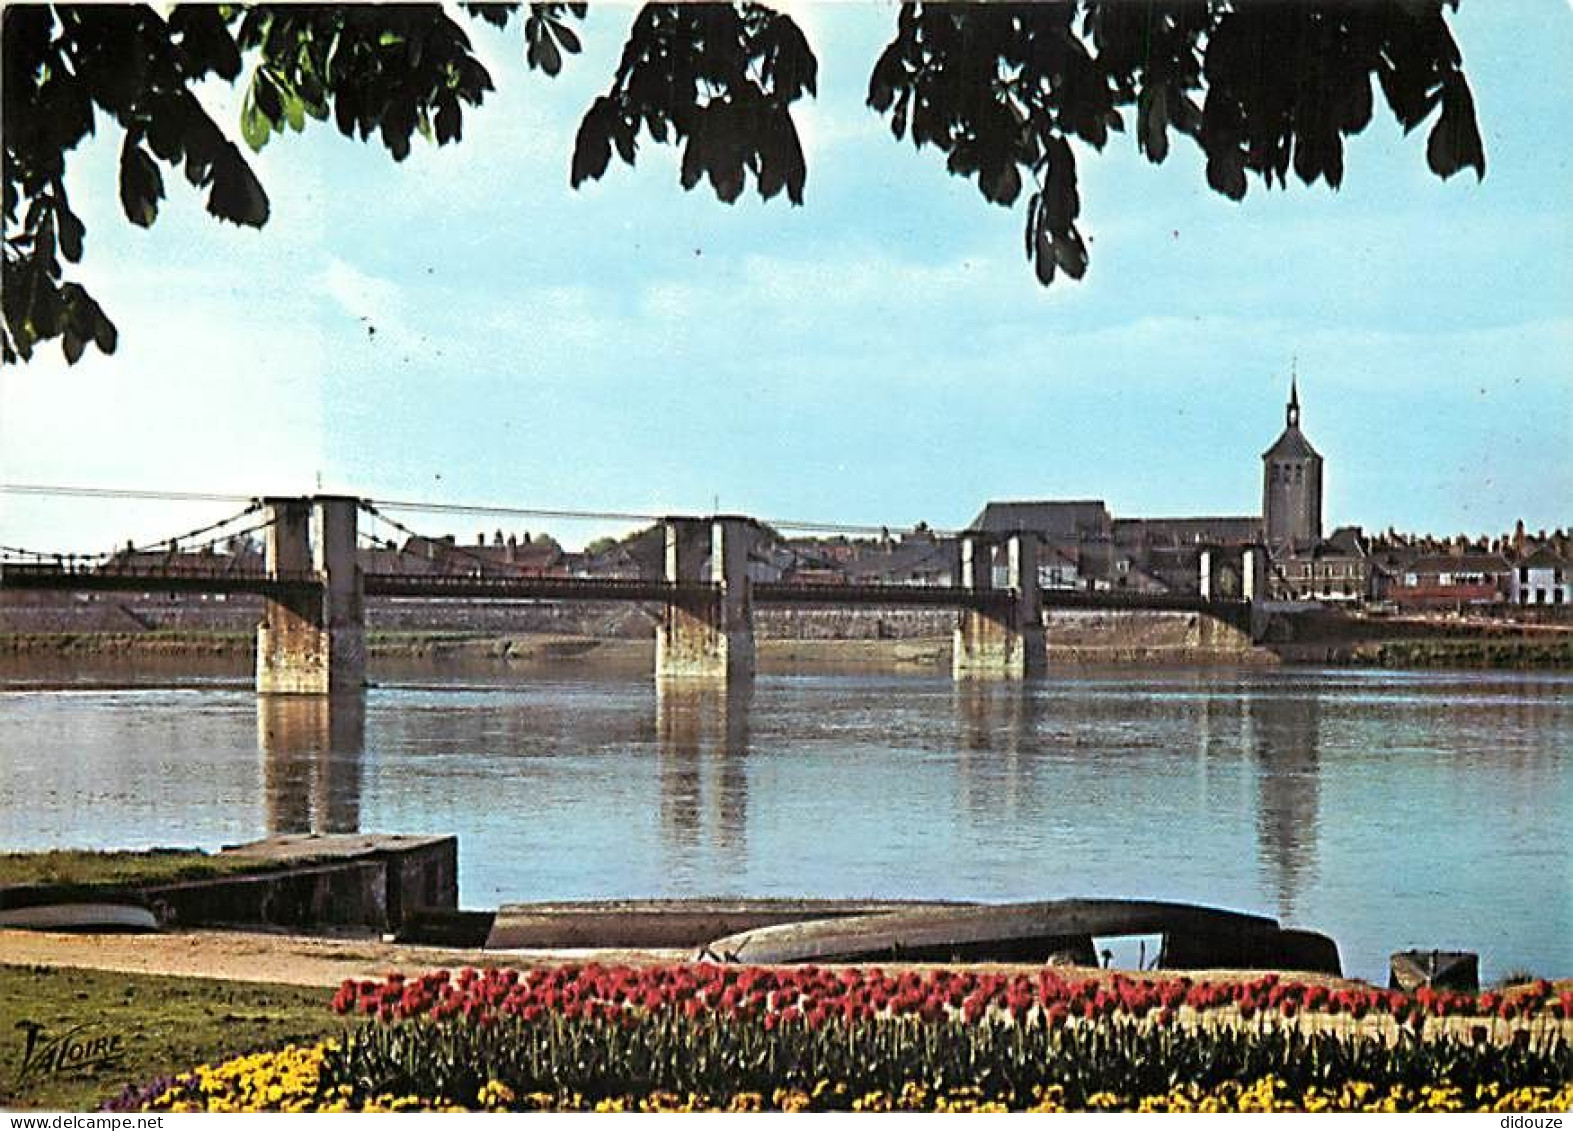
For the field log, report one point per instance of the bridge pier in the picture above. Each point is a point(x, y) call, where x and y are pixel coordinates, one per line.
point(708, 635)
point(313, 642)
point(1000, 639)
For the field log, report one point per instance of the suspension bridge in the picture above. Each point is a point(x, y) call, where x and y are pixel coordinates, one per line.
point(311, 637)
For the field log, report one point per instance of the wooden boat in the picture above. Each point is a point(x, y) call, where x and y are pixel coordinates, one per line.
point(1057, 930)
point(80, 917)
point(679, 924)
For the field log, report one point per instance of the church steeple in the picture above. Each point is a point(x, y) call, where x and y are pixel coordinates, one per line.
point(1292, 482)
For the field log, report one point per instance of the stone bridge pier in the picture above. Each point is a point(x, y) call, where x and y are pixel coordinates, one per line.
point(312, 641)
point(1000, 638)
point(709, 635)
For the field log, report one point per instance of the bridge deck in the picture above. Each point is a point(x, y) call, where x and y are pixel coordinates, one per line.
point(835, 595)
point(534, 588)
point(153, 580)
point(1147, 602)
point(824, 595)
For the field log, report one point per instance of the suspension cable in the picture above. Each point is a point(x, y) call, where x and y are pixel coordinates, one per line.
point(171, 545)
point(449, 547)
point(806, 526)
point(121, 493)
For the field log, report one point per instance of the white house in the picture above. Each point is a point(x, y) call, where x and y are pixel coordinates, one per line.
point(1058, 570)
point(1541, 579)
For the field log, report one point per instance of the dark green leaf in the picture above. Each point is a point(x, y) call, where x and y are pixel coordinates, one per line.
point(1454, 143)
point(566, 37)
point(237, 195)
point(71, 232)
point(141, 186)
point(105, 336)
point(254, 126)
point(266, 95)
point(592, 151)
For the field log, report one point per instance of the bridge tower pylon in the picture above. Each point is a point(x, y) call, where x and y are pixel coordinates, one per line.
point(707, 635)
point(1001, 639)
point(312, 640)
point(1239, 587)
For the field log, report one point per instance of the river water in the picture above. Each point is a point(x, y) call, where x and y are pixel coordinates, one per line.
point(1388, 809)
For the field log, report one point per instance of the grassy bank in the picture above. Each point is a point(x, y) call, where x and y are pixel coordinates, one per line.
point(159, 642)
point(76, 868)
point(1493, 649)
point(1468, 652)
point(164, 1026)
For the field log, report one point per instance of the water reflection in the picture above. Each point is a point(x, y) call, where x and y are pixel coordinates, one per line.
point(997, 736)
point(1285, 735)
point(1388, 809)
point(702, 739)
point(312, 748)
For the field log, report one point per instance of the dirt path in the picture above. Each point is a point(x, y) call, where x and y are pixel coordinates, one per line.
point(299, 960)
point(286, 959)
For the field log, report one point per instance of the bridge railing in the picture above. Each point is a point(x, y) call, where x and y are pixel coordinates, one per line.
point(68, 568)
point(838, 594)
point(1118, 599)
point(533, 587)
point(67, 575)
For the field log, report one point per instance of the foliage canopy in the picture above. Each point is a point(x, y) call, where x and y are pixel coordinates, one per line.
point(1001, 90)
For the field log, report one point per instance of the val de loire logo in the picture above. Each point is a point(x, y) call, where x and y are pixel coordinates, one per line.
point(77, 1049)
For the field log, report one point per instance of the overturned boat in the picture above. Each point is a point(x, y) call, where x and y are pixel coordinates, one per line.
point(87, 917)
point(1053, 931)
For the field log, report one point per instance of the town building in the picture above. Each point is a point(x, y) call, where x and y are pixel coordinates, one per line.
point(1164, 554)
point(1336, 570)
point(1052, 520)
point(1542, 578)
point(1059, 570)
point(1451, 582)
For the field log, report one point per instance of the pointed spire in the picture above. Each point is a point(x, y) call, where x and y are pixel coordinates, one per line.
point(1294, 397)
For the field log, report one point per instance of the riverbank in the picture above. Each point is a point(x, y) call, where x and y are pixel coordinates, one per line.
point(1483, 647)
point(1448, 652)
point(391, 651)
point(145, 1026)
point(84, 870)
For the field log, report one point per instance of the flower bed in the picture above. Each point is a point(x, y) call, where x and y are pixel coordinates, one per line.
point(739, 1038)
point(852, 993)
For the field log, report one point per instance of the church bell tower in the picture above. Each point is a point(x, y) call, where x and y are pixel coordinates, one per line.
point(1291, 484)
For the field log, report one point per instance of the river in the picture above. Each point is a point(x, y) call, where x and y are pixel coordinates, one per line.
point(1388, 809)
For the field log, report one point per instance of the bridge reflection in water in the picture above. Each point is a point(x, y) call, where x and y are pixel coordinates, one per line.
point(312, 748)
point(1013, 745)
point(998, 747)
point(702, 736)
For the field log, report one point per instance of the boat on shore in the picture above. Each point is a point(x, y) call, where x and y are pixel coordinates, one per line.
point(1058, 931)
point(671, 923)
point(89, 917)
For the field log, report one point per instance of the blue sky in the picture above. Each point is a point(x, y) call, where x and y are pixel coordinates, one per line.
point(880, 355)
